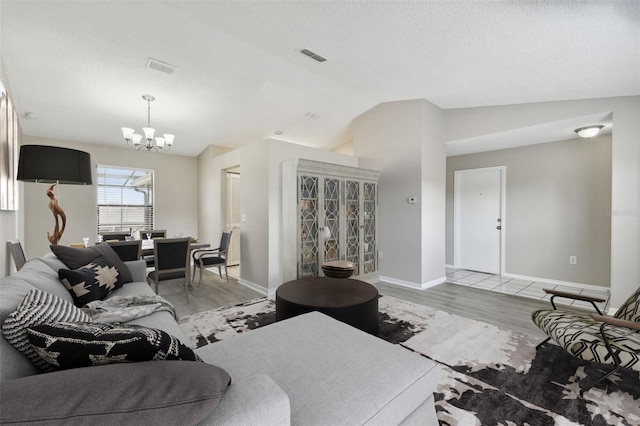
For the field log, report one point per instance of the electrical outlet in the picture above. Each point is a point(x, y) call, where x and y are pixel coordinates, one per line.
point(573, 260)
point(380, 254)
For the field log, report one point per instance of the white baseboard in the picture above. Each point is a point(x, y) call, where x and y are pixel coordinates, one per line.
point(449, 266)
point(410, 284)
point(558, 282)
point(256, 287)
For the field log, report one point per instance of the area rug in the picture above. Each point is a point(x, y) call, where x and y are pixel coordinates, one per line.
point(489, 375)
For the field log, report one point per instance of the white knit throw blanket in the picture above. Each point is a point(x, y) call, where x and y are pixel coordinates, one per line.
point(126, 308)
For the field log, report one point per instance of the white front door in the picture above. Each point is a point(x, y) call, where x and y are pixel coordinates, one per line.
point(479, 219)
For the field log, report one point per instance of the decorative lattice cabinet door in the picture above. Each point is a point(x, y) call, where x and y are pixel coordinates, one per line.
point(329, 213)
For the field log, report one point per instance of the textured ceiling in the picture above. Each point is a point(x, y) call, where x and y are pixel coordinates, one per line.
point(81, 66)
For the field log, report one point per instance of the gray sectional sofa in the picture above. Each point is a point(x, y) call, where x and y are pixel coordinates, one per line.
point(308, 370)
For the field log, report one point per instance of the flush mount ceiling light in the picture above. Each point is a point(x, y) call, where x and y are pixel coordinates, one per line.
point(163, 143)
point(589, 131)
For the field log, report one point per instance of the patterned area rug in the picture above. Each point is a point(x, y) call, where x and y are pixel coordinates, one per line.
point(489, 375)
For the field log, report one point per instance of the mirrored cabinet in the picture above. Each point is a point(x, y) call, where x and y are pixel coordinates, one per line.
point(329, 213)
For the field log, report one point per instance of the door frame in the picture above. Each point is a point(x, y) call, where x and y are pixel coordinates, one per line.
point(457, 213)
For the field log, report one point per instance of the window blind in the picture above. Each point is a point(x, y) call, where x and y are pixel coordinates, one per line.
point(125, 199)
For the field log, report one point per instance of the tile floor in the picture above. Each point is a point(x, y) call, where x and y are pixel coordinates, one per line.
point(524, 288)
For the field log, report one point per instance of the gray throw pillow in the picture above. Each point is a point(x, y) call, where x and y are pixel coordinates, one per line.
point(77, 257)
point(146, 393)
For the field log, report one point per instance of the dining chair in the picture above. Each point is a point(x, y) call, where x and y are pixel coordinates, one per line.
point(17, 253)
point(153, 233)
point(127, 250)
point(212, 257)
point(171, 258)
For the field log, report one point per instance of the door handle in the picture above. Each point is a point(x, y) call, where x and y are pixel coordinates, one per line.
point(498, 227)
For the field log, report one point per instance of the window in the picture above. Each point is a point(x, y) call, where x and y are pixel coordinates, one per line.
point(125, 199)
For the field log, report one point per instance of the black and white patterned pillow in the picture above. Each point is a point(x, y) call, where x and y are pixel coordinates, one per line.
point(67, 345)
point(93, 281)
point(38, 307)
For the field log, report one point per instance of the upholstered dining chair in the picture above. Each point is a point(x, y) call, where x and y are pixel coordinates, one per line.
point(204, 258)
point(595, 337)
point(171, 256)
point(17, 253)
point(127, 250)
point(153, 233)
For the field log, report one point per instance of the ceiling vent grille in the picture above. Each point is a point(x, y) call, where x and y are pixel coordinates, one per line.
point(312, 55)
point(154, 64)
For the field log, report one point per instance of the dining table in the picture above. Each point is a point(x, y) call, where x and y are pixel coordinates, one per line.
point(147, 246)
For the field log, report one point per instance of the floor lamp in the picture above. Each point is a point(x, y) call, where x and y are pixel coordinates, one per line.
point(54, 165)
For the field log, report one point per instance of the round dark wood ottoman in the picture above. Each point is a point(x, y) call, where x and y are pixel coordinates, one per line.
point(351, 301)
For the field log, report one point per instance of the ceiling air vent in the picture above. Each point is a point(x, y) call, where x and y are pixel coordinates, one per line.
point(312, 55)
point(154, 64)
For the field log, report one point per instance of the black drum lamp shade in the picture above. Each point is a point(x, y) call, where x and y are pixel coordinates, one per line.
point(54, 164)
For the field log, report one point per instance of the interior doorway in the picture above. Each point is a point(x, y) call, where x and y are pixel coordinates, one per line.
point(232, 215)
point(479, 219)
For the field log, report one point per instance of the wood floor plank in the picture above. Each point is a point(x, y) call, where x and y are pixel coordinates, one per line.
point(503, 310)
point(214, 292)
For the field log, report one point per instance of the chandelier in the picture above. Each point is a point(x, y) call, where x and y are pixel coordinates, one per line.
point(159, 143)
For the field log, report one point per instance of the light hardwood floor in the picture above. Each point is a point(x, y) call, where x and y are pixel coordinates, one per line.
point(512, 312)
point(214, 292)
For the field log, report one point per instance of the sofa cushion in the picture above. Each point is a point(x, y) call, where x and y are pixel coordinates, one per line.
point(40, 275)
point(76, 257)
point(147, 393)
point(38, 307)
point(93, 281)
point(364, 379)
point(67, 345)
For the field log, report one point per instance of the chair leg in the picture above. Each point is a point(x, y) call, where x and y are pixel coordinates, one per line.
point(226, 272)
point(200, 280)
point(614, 356)
point(193, 276)
point(607, 374)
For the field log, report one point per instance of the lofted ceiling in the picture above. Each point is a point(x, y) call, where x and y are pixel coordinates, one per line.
point(81, 66)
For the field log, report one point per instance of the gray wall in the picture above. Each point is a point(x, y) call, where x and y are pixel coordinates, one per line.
point(558, 198)
point(176, 202)
point(407, 139)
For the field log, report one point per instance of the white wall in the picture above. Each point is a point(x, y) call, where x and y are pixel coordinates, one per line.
point(625, 194)
point(176, 197)
point(406, 138)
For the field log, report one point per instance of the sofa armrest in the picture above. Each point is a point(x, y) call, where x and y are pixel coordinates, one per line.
point(138, 269)
point(255, 400)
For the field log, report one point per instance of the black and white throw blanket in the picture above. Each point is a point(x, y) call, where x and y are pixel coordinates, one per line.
point(126, 308)
point(489, 375)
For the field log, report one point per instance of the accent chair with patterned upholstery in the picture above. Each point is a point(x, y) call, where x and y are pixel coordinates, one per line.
point(595, 337)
